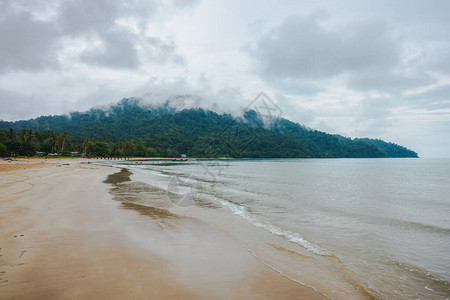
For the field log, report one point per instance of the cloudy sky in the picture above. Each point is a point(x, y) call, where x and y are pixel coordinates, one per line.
point(359, 68)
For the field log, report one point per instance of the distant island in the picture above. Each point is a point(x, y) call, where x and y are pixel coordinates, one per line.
point(129, 129)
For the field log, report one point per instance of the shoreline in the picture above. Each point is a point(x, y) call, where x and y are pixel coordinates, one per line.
point(309, 271)
point(63, 237)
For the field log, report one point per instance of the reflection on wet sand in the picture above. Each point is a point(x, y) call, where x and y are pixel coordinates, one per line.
point(119, 177)
point(138, 193)
point(206, 259)
point(145, 195)
point(153, 212)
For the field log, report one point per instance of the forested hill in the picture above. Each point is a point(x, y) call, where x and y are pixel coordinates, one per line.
point(131, 129)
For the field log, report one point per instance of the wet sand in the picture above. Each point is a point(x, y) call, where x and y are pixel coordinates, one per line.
point(63, 236)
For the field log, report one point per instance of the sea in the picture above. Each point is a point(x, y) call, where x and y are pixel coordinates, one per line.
point(380, 227)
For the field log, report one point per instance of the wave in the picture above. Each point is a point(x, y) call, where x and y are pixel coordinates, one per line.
point(421, 226)
point(289, 235)
point(386, 221)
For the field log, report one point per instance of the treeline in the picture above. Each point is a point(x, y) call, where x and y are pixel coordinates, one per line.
point(27, 142)
point(130, 129)
point(32, 143)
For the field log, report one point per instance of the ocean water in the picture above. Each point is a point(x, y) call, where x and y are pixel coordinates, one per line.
point(369, 227)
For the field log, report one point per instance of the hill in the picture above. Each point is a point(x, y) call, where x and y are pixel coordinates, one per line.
point(132, 129)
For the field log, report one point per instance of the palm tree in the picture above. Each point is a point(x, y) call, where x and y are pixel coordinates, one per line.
point(11, 134)
point(86, 144)
point(25, 137)
point(53, 140)
point(22, 138)
point(62, 139)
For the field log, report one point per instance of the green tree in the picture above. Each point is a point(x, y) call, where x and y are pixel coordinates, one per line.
point(27, 143)
point(151, 152)
point(3, 150)
point(62, 140)
point(86, 145)
point(100, 149)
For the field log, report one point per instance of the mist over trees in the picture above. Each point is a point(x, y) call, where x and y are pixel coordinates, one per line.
point(129, 129)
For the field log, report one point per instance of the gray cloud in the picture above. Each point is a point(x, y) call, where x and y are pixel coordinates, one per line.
point(160, 51)
point(435, 99)
point(373, 118)
point(389, 80)
point(119, 45)
point(293, 112)
point(438, 58)
point(303, 49)
point(84, 16)
point(439, 93)
point(117, 51)
point(27, 44)
point(33, 41)
point(296, 86)
point(20, 106)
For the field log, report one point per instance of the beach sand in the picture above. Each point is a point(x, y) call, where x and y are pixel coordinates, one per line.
point(63, 236)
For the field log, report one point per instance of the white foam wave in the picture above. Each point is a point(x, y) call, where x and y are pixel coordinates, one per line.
point(289, 235)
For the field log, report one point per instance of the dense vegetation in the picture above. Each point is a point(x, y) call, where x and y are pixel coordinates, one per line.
point(130, 129)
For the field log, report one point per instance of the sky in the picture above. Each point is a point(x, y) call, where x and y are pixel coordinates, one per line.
point(378, 69)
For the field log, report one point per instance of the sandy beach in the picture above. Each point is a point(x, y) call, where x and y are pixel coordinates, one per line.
point(63, 235)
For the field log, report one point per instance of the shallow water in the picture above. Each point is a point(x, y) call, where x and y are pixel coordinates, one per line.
point(380, 227)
